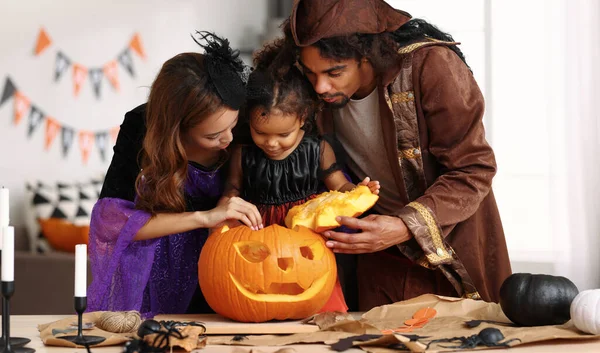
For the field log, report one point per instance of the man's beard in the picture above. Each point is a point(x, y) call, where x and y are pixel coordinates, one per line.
point(336, 105)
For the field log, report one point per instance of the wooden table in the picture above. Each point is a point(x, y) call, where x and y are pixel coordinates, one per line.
point(26, 326)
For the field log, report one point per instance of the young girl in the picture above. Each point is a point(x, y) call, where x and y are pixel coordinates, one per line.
point(152, 217)
point(285, 165)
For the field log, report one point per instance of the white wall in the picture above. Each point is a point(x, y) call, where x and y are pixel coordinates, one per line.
point(92, 33)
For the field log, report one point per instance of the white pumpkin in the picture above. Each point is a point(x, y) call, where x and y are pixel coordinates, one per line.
point(585, 311)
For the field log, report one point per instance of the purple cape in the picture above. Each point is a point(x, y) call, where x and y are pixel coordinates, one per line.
point(152, 276)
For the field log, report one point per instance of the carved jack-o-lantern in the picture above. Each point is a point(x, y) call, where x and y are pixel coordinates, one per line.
point(270, 274)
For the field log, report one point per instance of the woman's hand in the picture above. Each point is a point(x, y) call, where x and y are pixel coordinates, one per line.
point(232, 208)
point(373, 185)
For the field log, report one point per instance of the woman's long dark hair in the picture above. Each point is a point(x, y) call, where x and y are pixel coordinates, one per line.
point(181, 97)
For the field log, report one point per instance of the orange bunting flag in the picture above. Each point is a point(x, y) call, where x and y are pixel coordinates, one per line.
point(136, 45)
point(111, 73)
point(114, 132)
point(79, 75)
point(86, 139)
point(43, 41)
point(52, 129)
point(22, 104)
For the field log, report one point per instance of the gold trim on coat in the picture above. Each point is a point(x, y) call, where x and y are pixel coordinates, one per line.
point(403, 97)
point(440, 253)
point(473, 295)
point(412, 47)
point(410, 153)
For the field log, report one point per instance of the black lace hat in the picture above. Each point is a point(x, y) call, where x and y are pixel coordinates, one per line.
point(225, 68)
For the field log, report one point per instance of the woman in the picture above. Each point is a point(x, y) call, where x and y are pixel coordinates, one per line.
point(161, 190)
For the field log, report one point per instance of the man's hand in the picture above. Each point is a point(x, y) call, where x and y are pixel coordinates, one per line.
point(378, 233)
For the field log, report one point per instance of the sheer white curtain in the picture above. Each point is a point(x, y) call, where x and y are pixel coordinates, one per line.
point(582, 93)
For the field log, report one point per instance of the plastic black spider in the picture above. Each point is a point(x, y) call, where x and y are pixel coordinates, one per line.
point(160, 343)
point(489, 337)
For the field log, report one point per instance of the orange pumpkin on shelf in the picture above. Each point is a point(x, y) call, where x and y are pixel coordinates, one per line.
point(270, 274)
point(319, 213)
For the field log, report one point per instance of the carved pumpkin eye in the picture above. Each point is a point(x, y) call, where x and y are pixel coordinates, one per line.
point(312, 251)
point(252, 251)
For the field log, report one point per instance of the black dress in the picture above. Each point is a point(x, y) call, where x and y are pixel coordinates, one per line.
point(275, 186)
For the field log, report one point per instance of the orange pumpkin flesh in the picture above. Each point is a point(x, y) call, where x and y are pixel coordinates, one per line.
point(319, 213)
point(270, 274)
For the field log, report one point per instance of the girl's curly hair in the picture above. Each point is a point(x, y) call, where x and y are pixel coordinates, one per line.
point(277, 83)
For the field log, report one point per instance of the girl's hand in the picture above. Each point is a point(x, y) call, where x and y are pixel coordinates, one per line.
point(372, 185)
point(233, 208)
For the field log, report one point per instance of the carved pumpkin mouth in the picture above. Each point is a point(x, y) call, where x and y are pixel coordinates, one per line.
point(280, 292)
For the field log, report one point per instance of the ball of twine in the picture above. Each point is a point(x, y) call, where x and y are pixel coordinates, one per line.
point(119, 321)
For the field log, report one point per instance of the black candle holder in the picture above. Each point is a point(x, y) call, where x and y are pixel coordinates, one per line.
point(14, 341)
point(8, 289)
point(80, 338)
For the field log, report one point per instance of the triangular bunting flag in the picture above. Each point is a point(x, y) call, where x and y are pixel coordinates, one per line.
point(114, 133)
point(39, 199)
point(83, 196)
point(86, 139)
point(81, 212)
point(35, 118)
point(64, 198)
point(125, 60)
point(21, 106)
point(61, 65)
point(96, 78)
point(136, 45)
point(57, 213)
point(52, 128)
point(43, 41)
point(66, 138)
point(111, 73)
point(101, 138)
point(8, 91)
point(79, 73)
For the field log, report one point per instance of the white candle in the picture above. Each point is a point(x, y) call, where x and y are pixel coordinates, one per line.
point(80, 270)
point(4, 211)
point(8, 254)
point(4, 208)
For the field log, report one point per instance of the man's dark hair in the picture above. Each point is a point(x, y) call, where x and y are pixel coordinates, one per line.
point(380, 49)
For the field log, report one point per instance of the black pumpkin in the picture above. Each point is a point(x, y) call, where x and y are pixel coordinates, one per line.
point(537, 300)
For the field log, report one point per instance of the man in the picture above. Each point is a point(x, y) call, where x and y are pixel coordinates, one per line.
point(401, 100)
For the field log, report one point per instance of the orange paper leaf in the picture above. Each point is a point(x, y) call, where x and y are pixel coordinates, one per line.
point(404, 329)
point(428, 313)
point(136, 45)
point(43, 41)
point(420, 324)
point(415, 322)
